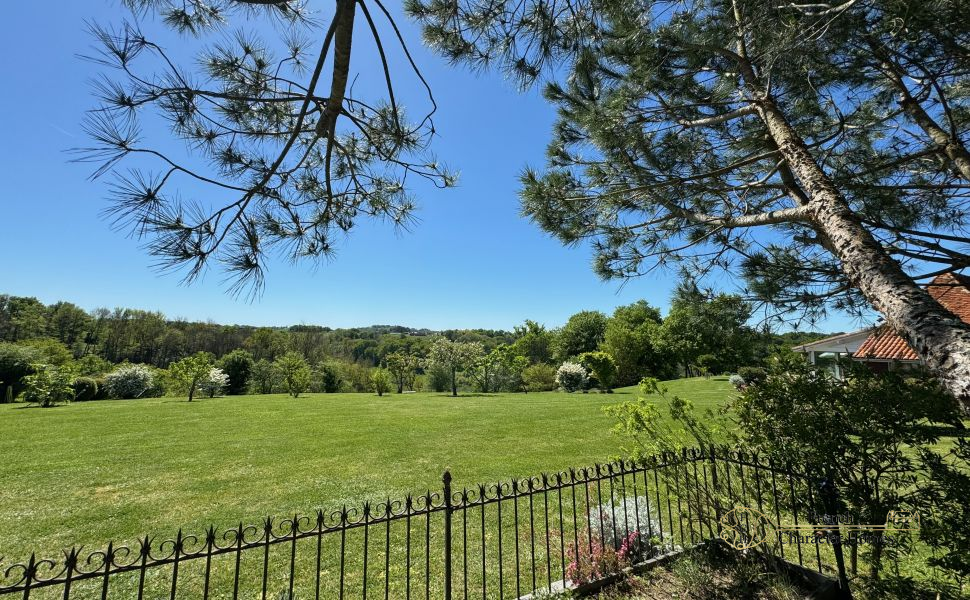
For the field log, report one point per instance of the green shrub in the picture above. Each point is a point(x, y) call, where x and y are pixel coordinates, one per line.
point(539, 377)
point(85, 389)
point(603, 367)
point(752, 375)
point(16, 363)
point(571, 377)
point(381, 381)
point(238, 366)
point(102, 393)
point(326, 378)
point(49, 385)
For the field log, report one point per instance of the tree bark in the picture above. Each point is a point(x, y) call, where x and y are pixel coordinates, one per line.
point(939, 338)
point(454, 382)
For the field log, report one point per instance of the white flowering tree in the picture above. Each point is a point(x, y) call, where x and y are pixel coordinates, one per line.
point(215, 383)
point(455, 357)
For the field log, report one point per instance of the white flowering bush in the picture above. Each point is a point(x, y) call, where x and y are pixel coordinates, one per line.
point(628, 524)
point(737, 381)
point(215, 384)
point(129, 381)
point(571, 376)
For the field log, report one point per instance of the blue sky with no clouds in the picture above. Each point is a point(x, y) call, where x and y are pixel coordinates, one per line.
point(471, 260)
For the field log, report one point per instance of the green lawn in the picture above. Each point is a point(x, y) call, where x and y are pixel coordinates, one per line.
point(91, 472)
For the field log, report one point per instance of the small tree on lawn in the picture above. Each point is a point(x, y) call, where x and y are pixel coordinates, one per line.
point(49, 385)
point(191, 371)
point(215, 383)
point(603, 367)
point(295, 373)
point(455, 357)
point(381, 381)
point(403, 368)
point(265, 377)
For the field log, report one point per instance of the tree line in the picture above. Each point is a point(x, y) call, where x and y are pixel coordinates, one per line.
point(701, 333)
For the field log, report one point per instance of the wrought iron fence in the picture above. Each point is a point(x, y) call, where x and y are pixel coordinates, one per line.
point(499, 540)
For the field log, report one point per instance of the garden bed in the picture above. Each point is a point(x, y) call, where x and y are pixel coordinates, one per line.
point(711, 571)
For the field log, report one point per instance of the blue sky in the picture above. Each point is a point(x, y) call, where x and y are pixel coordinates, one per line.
point(471, 261)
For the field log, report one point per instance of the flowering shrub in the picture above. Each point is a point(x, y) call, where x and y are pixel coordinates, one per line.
point(129, 381)
point(215, 384)
point(594, 560)
point(627, 522)
point(571, 376)
point(738, 382)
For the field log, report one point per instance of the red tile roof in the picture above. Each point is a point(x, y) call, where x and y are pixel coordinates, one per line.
point(951, 290)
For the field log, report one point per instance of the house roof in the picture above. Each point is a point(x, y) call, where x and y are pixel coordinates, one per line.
point(951, 290)
point(843, 343)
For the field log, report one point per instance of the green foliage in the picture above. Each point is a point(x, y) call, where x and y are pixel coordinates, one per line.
point(8, 394)
point(16, 362)
point(658, 421)
point(22, 318)
point(583, 332)
point(631, 338)
point(454, 357)
point(326, 378)
point(602, 366)
point(264, 377)
point(438, 377)
point(295, 374)
point(190, 372)
point(238, 365)
point(53, 351)
point(403, 368)
point(947, 528)
point(49, 385)
point(85, 388)
point(92, 364)
point(752, 375)
point(868, 433)
point(534, 342)
point(699, 325)
point(381, 381)
point(540, 377)
point(356, 377)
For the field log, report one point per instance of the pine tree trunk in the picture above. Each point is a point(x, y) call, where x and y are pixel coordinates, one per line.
point(939, 338)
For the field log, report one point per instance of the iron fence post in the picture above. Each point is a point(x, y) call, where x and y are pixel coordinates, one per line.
point(830, 500)
point(716, 498)
point(446, 480)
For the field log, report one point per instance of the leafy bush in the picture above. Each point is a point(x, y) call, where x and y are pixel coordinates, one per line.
point(437, 378)
point(238, 366)
point(752, 375)
point(16, 363)
point(602, 366)
point(571, 376)
point(326, 378)
point(737, 381)
point(356, 377)
point(381, 380)
point(85, 388)
point(539, 377)
point(90, 365)
point(49, 385)
point(215, 383)
point(129, 381)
